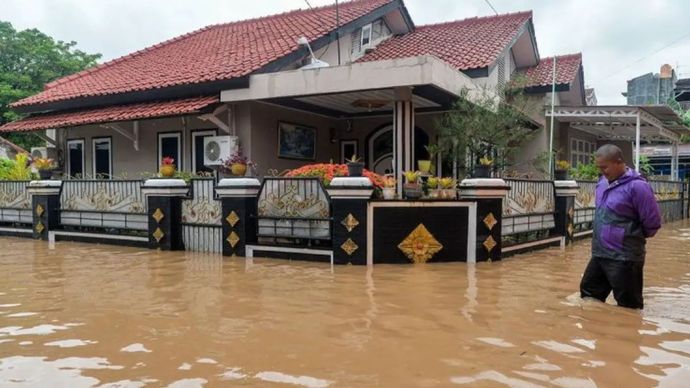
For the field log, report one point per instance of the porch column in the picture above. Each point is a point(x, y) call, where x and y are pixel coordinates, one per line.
point(350, 197)
point(239, 200)
point(164, 199)
point(45, 206)
point(637, 143)
point(403, 134)
point(565, 208)
point(674, 161)
point(489, 194)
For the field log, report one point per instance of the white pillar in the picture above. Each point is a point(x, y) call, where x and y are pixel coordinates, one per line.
point(637, 143)
point(403, 134)
point(674, 161)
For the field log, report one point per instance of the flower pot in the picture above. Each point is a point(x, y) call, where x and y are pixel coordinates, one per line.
point(560, 175)
point(481, 171)
point(45, 174)
point(449, 193)
point(388, 192)
point(355, 169)
point(238, 169)
point(167, 170)
point(412, 190)
point(424, 166)
point(434, 193)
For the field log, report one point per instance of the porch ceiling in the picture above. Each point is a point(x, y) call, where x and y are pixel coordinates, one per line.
point(358, 89)
point(658, 123)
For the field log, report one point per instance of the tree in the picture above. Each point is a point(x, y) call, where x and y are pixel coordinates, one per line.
point(488, 122)
point(29, 59)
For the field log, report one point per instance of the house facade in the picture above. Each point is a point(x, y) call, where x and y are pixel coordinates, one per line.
point(387, 83)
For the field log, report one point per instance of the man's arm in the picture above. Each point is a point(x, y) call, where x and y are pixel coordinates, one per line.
point(647, 209)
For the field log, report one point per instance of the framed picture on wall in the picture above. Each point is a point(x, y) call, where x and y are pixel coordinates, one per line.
point(296, 141)
point(347, 149)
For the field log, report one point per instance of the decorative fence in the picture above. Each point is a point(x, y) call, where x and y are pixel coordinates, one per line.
point(528, 210)
point(584, 205)
point(294, 208)
point(104, 205)
point(201, 218)
point(670, 196)
point(15, 203)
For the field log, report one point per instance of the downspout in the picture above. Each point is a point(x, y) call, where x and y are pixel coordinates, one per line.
point(553, 103)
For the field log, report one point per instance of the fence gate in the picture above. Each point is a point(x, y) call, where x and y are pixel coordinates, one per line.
point(201, 218)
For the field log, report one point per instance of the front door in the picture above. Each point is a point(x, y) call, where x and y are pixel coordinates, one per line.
point(380, 149)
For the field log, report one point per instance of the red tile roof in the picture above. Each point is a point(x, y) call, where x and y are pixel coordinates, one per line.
point(110, 114)
point(465, 44)
point(567, 69)
point(15, 147)
point(218, 52)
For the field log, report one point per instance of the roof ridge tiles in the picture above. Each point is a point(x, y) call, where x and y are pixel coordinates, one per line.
point(481, 18)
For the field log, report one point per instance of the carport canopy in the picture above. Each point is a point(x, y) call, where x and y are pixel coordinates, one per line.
point(650, 123)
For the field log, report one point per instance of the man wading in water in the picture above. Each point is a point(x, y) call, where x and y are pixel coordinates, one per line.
point(626, 215)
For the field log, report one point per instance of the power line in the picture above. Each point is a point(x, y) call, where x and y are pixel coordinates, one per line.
point(489, 3)
point(644, 57)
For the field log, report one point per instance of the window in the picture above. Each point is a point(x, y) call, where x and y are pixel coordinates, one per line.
point(581, 151)
point(198, 150)
point(102, 158)
point(366, 35)
point(75, 158)
point(170, 146)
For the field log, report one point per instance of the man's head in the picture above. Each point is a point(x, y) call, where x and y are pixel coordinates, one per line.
point(609, 159)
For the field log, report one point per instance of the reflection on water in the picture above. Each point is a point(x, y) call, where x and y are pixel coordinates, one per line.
point(84, 315)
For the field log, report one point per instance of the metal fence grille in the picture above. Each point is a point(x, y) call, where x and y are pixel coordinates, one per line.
point(103, 204)
point(584, 205)
point(670, 196)
point(201, 218)
point(529, 206)
point(15, 203)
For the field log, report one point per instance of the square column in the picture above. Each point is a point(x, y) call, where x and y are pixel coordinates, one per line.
point(239, 200)
point(164, 199)
point(349, 199)
point(489, 194)
point(403, 134)
point(565, 208)
point(45, 206)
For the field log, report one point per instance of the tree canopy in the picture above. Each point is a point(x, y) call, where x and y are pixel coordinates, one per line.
point(29, 60)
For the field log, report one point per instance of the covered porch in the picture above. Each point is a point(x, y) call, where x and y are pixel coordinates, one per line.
point(631, 126)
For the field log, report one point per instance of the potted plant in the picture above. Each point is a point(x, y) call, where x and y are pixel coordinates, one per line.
point(44, 166)
point(425, 165)
point(561, 172)
point(448, 189)
point(355, 167)
point(167, 168)
point(388, 189)
point(432, 184)
point(411, 188)
point(483, 169)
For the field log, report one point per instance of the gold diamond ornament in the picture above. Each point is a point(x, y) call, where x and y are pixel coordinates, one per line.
point(349, 247)
point(420, 245)
point(233, 239)
point(39, 210)
point(232, 218)
point(158, 235)
point(350, 222)
point(490, 221)
point(158, 215)
point(490, 244)
point(40, 227)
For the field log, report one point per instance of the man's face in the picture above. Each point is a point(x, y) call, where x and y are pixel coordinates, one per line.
point(610, 169)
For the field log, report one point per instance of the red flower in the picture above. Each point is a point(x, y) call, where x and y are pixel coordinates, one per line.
point(167, 160)
point(326, 172)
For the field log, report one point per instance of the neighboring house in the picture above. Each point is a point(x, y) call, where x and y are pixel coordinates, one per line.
point(682, 92)
point(652, 89)
point(660, 157)
point(8, 150)
point(590, 97)
point(388, 83)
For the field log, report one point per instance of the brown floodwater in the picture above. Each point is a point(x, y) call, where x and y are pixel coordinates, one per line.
point(95, 315)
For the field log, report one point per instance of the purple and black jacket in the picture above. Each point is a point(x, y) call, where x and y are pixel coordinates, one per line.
point(626, 215)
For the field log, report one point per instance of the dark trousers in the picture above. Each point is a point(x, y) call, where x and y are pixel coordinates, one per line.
point(624, 278)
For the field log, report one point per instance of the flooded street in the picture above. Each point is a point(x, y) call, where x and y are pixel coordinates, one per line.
point(90, 315)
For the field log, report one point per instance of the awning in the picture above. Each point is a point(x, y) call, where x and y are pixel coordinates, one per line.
point(110, 114)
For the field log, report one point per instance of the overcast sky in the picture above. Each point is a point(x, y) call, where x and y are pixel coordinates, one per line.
point(619, 39)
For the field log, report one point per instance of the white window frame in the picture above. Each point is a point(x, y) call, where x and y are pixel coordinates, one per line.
point(69, 158)
point(369, 28)
point(168, 135)
point(195, 134)
point(577, 156)
point(109, 140)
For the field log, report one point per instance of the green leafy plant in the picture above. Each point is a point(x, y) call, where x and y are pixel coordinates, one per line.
point(562, 165)
point(646, 168)
point(432, 182)
point(586, 171)
point(411, 176)
point(17, 169)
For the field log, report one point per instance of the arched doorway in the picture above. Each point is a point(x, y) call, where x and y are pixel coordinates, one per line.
point(380, 148)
